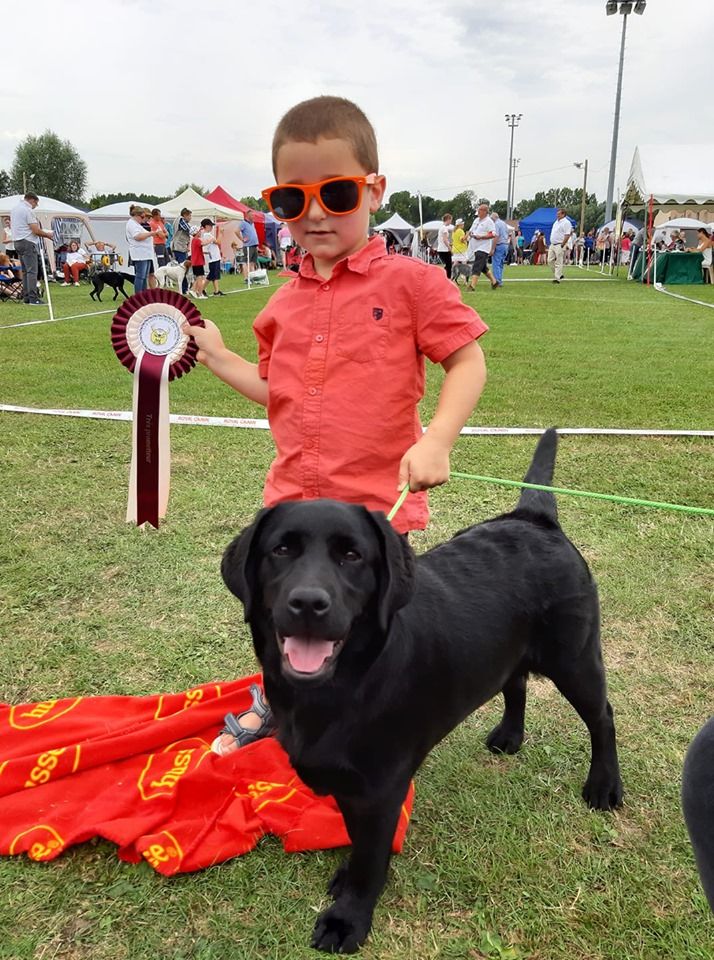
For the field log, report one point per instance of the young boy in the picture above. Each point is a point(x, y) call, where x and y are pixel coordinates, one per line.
point(340, 347)
point(198, 265)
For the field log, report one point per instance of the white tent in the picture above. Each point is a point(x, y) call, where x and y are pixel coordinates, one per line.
point(120, 210)
point(684, 223)
point(626, 226)
point(199, 207)
point(674, 175)
point(65, 221)
point(399, 228)
point(395, 222)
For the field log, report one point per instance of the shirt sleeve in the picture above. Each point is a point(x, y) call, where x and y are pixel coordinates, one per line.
point(264, 331)
point(444, 323)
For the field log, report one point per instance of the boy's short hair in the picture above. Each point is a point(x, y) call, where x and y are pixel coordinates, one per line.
point(333, 118)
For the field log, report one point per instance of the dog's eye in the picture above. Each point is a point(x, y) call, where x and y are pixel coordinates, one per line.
point(350, 556)
point(281, 550)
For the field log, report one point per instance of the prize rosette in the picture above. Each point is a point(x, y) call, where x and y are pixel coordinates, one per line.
point(147, 339)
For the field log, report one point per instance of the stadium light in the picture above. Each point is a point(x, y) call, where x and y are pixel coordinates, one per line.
point(512, 119)
point(625, 8)
point(583, 165)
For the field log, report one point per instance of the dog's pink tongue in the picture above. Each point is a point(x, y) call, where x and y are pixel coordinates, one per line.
point(307, 654)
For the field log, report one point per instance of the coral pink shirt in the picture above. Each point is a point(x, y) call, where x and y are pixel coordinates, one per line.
point(344, 361)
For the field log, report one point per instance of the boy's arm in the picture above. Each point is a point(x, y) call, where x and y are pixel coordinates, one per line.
point(426, 463)
point(228, 366)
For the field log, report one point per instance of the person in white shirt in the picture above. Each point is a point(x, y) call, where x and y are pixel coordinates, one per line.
point(141, 246)
point(76, 261)
point(443, 243)
point(481, 237)
point(26, 233)
point(559, 236)
point(212, 254)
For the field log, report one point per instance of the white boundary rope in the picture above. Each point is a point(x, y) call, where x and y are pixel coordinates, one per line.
point(678, 296)
point(99, 313)
point(262, 424)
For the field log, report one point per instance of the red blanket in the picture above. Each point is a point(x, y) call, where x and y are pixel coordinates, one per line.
point(139, 771)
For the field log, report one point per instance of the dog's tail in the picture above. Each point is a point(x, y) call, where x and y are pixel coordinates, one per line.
point(541, 502)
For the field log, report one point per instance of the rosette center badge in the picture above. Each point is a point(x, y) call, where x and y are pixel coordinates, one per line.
point(147, 338)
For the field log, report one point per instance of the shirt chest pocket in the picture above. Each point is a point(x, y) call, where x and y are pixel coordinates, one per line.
point(362, 333)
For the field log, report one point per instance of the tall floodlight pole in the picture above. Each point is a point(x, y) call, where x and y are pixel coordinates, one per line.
point(512, 196)
point(512, 119)
point(584, 167)
point(625, 8)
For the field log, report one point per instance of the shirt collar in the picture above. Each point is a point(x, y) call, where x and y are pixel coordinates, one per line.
point(358, 262)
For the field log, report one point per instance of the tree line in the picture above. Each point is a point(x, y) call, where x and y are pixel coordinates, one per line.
point(466, 203)
point(53, 167)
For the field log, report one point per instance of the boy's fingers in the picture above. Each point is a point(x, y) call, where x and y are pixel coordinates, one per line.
point(403, 478)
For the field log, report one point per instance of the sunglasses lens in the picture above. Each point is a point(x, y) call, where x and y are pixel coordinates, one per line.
point(340, 196)
point(287, 202)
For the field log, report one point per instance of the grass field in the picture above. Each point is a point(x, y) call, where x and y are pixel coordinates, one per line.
point(502, 859)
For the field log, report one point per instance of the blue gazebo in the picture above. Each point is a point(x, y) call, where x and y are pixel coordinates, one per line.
point(541, 219)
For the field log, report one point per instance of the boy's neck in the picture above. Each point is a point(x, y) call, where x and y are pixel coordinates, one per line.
point(325, 268)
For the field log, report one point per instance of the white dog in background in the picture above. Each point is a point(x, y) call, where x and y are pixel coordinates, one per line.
point(172, 274)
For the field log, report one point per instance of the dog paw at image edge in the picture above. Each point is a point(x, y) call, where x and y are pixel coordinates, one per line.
point(342, 928)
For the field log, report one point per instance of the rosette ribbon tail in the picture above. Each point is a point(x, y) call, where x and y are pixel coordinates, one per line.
point(150, 472)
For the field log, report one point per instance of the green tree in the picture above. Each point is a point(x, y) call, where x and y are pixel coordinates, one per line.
point(5, 183)
point(49, 166)
point(464, 206)
point(190, 186)
point(403, 203)
point(255, 203)
point(103, 199)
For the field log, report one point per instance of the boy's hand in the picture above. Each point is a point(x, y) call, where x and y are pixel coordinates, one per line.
point(208, 340)
point(424, 465)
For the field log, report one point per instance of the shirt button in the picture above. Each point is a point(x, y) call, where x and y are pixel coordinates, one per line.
point(312, 391)
point(326, 286)
point(319, 338)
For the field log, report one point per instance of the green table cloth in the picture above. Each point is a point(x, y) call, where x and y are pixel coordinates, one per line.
point(672, 267)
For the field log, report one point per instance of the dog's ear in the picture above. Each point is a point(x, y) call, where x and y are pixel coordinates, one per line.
point(396, 582)
point(238, 567)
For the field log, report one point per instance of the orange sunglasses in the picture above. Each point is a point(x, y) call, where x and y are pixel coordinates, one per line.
point(337, 196)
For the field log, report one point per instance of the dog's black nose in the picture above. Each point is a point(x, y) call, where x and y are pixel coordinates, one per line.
point(309, 600)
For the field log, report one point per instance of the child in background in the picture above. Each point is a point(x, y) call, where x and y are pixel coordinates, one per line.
point(198, 264)
point(341, 347)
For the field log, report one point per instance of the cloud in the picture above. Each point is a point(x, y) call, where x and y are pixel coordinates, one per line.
point(156, 93)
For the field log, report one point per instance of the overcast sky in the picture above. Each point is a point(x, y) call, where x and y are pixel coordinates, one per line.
point(156, 93)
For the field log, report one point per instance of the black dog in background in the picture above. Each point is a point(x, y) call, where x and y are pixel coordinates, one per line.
point(109, 278)
point(698, 803)
point(371, 656)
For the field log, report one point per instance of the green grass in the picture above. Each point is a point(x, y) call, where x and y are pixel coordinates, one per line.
point(502, 858)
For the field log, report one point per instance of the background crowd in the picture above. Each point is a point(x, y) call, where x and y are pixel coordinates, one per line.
point(189, 254)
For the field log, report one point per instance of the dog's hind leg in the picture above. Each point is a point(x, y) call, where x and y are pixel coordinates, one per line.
point(507, 737)
point(582, 683)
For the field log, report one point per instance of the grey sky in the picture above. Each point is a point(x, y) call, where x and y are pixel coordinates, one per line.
point(156, 93)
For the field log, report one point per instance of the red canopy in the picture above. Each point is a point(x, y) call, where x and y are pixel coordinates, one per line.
point(221, 196)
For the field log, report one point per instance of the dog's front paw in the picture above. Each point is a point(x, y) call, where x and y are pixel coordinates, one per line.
point(337, 884)
point(342, 928)
point(505, 739)
point(603, 790)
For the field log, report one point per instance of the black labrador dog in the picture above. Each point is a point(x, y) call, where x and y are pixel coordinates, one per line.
point(698, 803)
point(355, 634)
point(109, 278)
